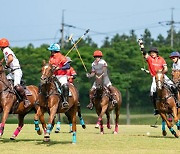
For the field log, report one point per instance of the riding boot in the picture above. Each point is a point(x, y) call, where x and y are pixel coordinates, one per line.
point(114, 101)
point(175, 91)
point(65, 103)
point(91, 96)
point(153, 100)
point(21, 91)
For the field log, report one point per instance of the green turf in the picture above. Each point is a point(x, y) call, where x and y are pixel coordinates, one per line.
point(131, 139)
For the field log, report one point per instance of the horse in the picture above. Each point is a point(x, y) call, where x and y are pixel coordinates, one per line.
point(50, 99)
point(9, 103)
point(102, 102)
point(166, 104)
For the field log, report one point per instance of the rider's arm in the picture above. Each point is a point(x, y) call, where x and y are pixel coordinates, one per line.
point(65, 66)
point(9, 60)
point(165, 69)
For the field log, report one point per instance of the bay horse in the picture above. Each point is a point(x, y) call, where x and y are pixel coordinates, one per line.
point(50, 99)
point(166, 103)
point(9, 103)
point(102, 102)
point(176, 78)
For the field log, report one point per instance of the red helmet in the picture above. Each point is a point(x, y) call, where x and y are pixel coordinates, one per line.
point(4, 42)
point(97, 53)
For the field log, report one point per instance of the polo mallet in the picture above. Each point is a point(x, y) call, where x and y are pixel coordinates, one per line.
point(71, 39)
point(74, 45)
point(140, 42)
point(155, 124)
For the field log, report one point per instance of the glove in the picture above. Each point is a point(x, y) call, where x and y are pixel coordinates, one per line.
point(88, 75)
point(6, 67)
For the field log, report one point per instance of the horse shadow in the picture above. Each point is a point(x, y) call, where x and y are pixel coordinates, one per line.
point(36, 141)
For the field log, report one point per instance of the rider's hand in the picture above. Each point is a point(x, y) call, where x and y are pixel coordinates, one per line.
point(88, 75)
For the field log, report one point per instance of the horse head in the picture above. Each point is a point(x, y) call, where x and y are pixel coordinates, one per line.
point(159, 77)
point(176, 77)
point(47, 72)
point(99, 81)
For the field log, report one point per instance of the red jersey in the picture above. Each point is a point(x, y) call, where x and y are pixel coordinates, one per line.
point(70, 73)
point(58, 60)
point(155, 64)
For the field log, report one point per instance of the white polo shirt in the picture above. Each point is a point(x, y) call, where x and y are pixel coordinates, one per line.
point(15, 63)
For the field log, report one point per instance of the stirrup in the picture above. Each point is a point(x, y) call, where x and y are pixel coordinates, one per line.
point(65, 105)
point(90, 106)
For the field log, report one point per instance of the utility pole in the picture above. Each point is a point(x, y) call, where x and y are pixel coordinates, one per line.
point(62, 30)
point(172, 22)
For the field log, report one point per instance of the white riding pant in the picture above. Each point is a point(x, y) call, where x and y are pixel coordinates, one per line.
point(16, 75)
point(153, 85)
point(62, 79)
point(106, 82)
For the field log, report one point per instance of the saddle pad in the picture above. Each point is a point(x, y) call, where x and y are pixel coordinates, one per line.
point(27, 92)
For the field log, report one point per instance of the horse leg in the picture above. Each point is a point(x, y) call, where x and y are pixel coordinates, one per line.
point(169, 124)
point(6, 111)
point(164, 133)
point(72, 112)
point(39, 115)
point(70, 121)
point(116, 121)
point(80, 117)
point(108, 120)
point(50, 122)
point(58, 124)
point(104, 108)
point(176, 119)
point(20, 125)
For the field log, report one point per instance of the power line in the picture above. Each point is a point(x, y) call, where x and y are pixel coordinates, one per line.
point(171, 23)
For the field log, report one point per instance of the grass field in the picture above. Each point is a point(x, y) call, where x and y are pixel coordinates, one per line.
point(131, 139)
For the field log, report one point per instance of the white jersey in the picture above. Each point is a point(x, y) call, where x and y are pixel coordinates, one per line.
point(15, 63)
point(97, 67)
point(176, 66)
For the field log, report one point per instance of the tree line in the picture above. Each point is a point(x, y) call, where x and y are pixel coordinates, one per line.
point(124, 60)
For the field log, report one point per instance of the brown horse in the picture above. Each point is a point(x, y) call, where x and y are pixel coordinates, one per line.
point(166, 103)
point(50, 99)
point(102, 102)
point(9, 103)
point(176, 78)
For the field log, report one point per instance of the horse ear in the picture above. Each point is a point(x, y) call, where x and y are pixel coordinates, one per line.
point(44, 62)
point(2, 60)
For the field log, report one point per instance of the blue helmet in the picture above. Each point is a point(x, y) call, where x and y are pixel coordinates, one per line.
point(54, 47)
point(174, 54)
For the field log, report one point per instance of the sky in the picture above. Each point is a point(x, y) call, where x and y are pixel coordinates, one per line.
point(39, 21)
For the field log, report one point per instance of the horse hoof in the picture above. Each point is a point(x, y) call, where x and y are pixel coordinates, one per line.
point(97, 126)
point(101, 133)
point(164, 133)
point(46, 136)
point(13, 137)
point(115, 132)
point(84, 126)
point(176, 135)
point(39, 132)
point(70, 131)
point(46, 139)
point(109, 127)
point(57, 131)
